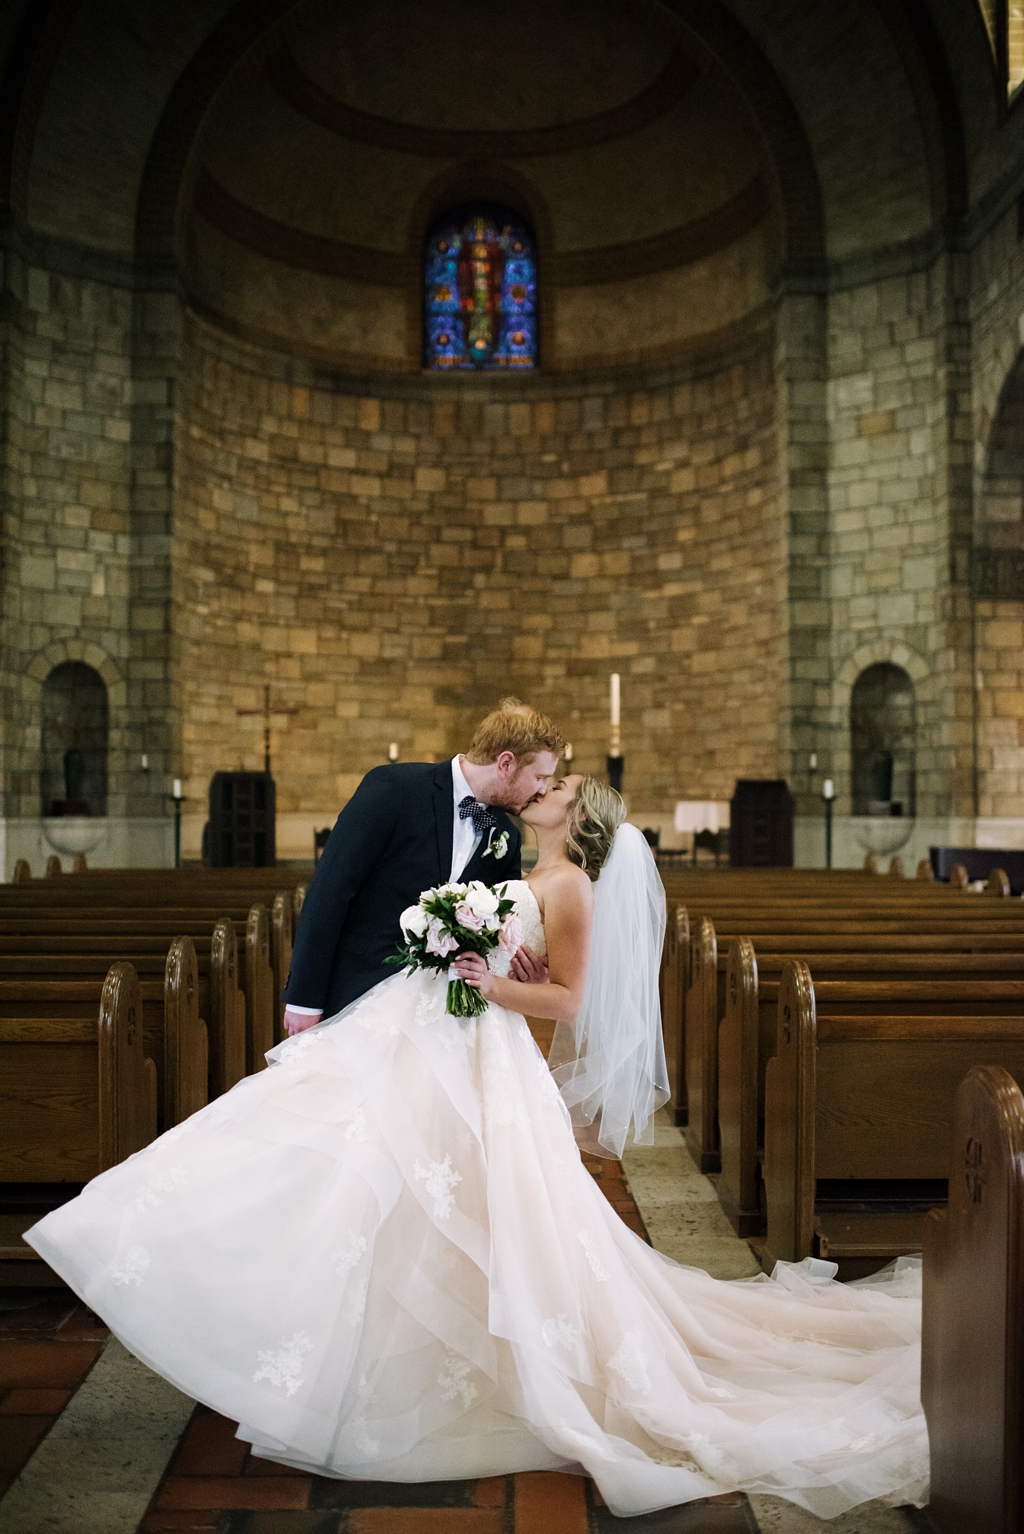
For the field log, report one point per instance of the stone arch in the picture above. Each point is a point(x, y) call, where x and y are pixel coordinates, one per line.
point(891, 651)
point(56, 654)
point(883, 730)
point(43, 662)
point(882, 651)
point(74, 741)
point(999, 517)
point(716, 36)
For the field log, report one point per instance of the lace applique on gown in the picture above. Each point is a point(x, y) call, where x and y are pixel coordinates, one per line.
point(386, 1260)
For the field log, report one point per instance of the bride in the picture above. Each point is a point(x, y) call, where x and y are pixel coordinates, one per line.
point(386, 1260)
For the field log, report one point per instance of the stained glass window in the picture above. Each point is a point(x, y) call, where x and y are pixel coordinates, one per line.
point(480, 303)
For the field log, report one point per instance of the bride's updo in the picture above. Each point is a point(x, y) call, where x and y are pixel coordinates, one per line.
point(594, 816)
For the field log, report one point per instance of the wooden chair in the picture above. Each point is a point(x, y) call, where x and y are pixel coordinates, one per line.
point(925, 871)
point(80, 865)
point(972, 1345)
point(53, 866)
point(22, 872)
point(896, 868)
point(870, 863)
point(998, 884)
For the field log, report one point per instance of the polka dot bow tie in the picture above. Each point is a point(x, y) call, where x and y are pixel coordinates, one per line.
point(479, 814)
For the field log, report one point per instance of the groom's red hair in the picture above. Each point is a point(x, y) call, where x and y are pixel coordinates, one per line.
point(514, 727)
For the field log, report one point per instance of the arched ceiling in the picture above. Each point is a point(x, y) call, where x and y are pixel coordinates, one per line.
point(643, 135)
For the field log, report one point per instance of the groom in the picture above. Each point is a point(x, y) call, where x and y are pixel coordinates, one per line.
point(409, 826)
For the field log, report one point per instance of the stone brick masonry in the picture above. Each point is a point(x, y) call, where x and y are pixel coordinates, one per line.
point(393, 562)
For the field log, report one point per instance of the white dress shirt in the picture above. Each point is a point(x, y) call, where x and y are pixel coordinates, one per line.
point(465, 836)
point(465, 840)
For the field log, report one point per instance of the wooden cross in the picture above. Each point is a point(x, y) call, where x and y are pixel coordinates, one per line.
point(249, 713)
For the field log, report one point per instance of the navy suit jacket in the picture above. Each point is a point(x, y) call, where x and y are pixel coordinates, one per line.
point(392, 840)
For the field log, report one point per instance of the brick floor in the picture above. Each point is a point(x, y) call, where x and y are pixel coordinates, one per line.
point(48, 1344)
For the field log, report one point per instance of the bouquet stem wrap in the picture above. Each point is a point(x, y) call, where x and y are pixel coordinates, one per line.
point(454, 919)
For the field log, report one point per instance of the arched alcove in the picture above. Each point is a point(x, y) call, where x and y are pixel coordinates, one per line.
point(883, 722)
point(75, 728)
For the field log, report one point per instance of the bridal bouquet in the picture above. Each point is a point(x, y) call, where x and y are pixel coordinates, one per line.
point(458, 918)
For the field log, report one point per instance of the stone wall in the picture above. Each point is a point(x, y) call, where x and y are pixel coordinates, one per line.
point(893, 450)
point(83, 579)
point(394, 558)
point(997, 623)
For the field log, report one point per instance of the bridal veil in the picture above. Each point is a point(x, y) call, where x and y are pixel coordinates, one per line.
point(610, 1065)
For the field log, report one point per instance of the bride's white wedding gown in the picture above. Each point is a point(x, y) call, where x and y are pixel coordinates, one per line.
point(384, 1257)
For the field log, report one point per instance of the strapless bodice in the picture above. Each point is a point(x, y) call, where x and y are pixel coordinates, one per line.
point(528, 912)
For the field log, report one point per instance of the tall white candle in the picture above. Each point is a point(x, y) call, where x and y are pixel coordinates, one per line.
point(616, 700)
point(393, 751)
point(568, 752)
point(176, 789)
point(828, 790)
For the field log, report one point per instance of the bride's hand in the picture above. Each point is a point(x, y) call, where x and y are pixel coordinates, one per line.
point(529, 967)
point(471, 968)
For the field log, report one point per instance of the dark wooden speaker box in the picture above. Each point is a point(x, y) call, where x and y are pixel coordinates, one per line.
point(761, 824)
point(242, 820)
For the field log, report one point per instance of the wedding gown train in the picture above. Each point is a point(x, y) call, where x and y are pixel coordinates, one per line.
point(384, 1257)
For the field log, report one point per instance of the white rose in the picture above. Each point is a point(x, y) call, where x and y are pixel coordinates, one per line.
point(481, 900)
point(413, 920)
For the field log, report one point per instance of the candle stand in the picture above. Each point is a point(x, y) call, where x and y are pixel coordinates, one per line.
point(828, 798)
point(615, 765)
point(178, 800)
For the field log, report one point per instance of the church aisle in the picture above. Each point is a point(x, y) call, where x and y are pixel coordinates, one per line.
point(60, 1380)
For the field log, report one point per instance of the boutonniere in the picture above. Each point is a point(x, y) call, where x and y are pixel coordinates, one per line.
point(498, 847)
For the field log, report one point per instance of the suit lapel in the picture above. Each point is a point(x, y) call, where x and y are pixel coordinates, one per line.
point(444, 818)
point(480, 866)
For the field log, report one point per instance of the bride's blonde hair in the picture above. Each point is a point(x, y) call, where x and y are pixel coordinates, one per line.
point(595, 815)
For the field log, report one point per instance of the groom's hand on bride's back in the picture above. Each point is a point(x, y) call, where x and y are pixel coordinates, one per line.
point(298, 1022)
point(529, 967)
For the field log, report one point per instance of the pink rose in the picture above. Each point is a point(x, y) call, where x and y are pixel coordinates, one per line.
point(468, 917)
point(438, 941)
point(510, 936)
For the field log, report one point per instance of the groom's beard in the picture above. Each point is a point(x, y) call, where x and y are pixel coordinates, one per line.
point(512, 797)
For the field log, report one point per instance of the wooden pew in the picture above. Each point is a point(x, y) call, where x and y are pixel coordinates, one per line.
point(248, 968)
point(704, 1009)
point(186, 1039)
point(77, 1095)
point(99, 1075)
point(795, 900)
point(673, 985)
point(212, 1025)
point(858, 1109)
point(282, 921)
point(746, 1033)
point(972, 1344)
